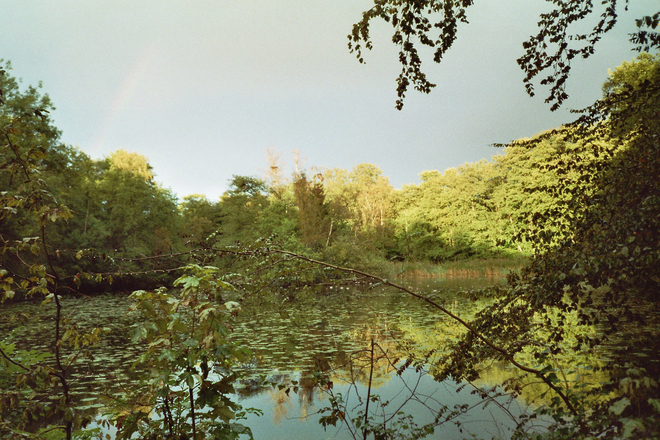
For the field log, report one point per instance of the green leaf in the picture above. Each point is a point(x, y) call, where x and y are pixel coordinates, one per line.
point(187, 281)
point(655, 403)
point(35, 249)
point(192, 343)
point(620, 406)
point(630, 426)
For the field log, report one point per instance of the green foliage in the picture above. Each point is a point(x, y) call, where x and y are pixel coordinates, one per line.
point(119, 210)
point(246, 186)
point(647, 37)
point(36, 400)
point(513, 205)
point(188, 360)
point(135, 214)
point(413, 22)
point(241, 207)
point(546, 182)
point(29, 153)
point(313, 220)
point(456, 214)
point(134, 163)
point(360, 206)
point(605, 278)
point(365, 196)
point(199, 218)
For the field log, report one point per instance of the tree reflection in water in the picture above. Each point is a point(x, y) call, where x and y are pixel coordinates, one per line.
point(331, 381)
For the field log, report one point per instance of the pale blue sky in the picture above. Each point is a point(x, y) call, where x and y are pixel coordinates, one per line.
point(203, 88)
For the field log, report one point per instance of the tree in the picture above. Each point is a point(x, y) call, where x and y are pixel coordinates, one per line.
point(28, 135)
point(455, 214)
point(313, 220)
point(434, 24)
point(371, 192)
point(604, 280)
point(241, 206)
point(200, 217)
point(37, 400)
point(133, 209)
point(365, 194)
point(274, 174)
point(35, 385)
point(547, 180)
point(359, 202)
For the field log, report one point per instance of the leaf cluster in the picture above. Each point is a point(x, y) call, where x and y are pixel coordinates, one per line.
point(188, 359)
point(548, 55)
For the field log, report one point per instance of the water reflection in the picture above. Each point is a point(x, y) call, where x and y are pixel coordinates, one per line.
point(332, 337)
point(306, 354)
point(294, 415)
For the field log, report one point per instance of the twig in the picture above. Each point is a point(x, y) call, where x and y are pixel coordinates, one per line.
point(4, 355)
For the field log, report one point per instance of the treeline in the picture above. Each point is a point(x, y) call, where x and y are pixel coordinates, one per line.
point(495, 208)
point(119, 216)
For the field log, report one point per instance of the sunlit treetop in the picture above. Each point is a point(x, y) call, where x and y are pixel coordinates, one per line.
point(134, 163)
point(547, 57)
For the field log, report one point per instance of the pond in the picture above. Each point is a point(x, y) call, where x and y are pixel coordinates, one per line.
point(355, 337)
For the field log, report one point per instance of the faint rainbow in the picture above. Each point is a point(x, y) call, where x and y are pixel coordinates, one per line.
point(121, 98)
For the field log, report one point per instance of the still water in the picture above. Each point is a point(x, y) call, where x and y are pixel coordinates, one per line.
point(332, 334)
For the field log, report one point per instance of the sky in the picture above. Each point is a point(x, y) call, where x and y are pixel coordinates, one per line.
point(204, 88)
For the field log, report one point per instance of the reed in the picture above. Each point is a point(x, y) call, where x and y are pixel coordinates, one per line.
point(483, 268)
